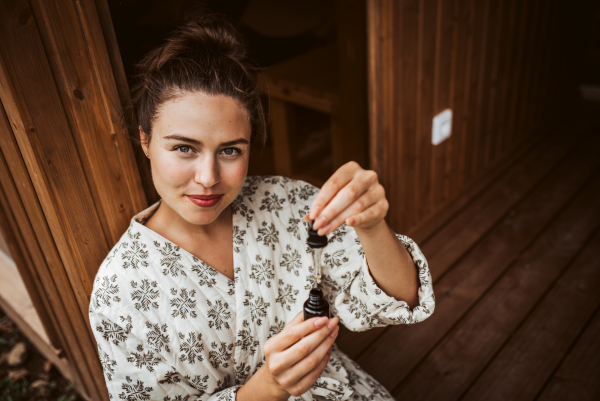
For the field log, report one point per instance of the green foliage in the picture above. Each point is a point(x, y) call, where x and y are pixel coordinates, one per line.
point(18, 391)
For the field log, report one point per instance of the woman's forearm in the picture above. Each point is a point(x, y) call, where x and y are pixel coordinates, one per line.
point(390, 263)
point(261, 387)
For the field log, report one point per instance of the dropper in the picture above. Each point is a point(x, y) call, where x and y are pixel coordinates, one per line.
point(317, 243)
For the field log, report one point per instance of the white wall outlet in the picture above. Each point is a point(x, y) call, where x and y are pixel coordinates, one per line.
point(442, 127)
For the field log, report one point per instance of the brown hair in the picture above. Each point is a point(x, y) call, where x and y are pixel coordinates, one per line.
point(205, 55)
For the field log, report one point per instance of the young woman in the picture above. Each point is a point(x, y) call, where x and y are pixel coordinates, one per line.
point(202, 296)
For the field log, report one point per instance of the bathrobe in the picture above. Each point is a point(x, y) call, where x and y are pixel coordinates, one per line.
point(170, 327)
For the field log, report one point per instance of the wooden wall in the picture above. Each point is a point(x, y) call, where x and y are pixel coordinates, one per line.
point(501, 66)
point(69, 183)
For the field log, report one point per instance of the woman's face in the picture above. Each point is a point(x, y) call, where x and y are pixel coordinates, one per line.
point(199, 153)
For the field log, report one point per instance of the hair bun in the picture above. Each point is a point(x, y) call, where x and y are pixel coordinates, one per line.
point(212, 33)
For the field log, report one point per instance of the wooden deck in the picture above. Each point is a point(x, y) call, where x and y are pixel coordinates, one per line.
point(517, 279)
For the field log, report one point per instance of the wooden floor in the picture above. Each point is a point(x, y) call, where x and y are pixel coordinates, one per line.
point(517, 283)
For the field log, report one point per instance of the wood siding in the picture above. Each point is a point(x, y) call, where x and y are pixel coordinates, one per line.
point(69, 180)
point(499, 65)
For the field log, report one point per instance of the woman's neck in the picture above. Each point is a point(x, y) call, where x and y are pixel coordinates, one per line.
point(169, 224)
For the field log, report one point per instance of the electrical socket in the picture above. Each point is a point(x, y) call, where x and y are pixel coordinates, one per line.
point(442, 127)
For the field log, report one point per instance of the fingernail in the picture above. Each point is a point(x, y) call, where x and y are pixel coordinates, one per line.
point(335, 332)
point(332, 323)
point(320, 322)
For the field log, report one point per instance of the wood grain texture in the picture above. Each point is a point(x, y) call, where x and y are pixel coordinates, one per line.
point(532, 354)
point(466, 350)
point(480, 58)
point(66, 149)
point(389, 359)
point(577, 377)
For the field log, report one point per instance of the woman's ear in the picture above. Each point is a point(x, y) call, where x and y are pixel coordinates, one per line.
point(144, 141)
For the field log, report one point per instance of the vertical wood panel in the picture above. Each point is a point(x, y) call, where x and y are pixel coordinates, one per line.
point(75, 183)
point(486, 60)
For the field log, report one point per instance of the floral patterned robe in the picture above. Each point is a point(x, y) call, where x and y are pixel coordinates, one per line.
point(170, 327)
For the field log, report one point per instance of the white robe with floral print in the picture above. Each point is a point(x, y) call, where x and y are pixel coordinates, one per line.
point(170, 327)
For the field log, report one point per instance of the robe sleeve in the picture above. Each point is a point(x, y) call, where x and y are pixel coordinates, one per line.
point(351, 290)
point(139, 361)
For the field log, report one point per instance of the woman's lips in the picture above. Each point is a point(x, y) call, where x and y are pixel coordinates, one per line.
point(205, 200)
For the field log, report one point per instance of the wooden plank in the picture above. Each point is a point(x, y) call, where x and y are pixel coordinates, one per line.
point(531, 56)
point(528, 117)
point(541, 100)
point(401, 348)
point(519, 73)
point(92, 106)
point(482, 91)
point(444, 50)
point(577, 377)
point(466, 350)
point(455, 77)
point(114, 56)
point(425, 93)
point(409, 30)
point(505, 72)
point(494, 84)
point(472, 72)
point(536, 349)
point(351, 140)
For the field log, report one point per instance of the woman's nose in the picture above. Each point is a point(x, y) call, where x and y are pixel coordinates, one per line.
point(207, 172)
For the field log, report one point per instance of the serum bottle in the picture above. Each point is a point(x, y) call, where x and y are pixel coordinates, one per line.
point(316, 305)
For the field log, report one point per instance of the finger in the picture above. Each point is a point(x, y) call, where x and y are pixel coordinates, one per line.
point(347, 195)
point(305, 383)
point(307, 344)
point(312, 370)
point(337, 181)
point(374, 213)
point(300, 350)
point(291, 334)
point(367, 199)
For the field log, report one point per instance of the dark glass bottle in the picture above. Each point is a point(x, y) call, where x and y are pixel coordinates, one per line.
point(316, 305)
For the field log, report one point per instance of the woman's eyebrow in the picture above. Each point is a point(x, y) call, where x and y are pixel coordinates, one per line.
point(183, 139)
point(197, 142)
point(235, 142)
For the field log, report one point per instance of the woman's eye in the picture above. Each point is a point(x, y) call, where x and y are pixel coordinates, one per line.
point(231, 151)
point(183, 149)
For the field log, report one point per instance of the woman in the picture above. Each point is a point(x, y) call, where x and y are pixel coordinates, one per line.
point(202, 297)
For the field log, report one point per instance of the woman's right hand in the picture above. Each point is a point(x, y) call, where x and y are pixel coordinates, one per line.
point(297, 356)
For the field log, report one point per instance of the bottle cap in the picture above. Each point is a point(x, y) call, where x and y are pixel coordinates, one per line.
point(315, 240)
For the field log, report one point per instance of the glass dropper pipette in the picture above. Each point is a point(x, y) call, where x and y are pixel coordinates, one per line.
point(316, 242)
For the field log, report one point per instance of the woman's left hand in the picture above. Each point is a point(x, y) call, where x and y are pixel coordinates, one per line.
point(351, 195)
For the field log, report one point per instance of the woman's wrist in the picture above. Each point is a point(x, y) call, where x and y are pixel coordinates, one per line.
point(262, 386)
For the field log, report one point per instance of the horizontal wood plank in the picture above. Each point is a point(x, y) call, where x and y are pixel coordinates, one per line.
point(453, 365)
point(577, 376)
point(536, 349)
